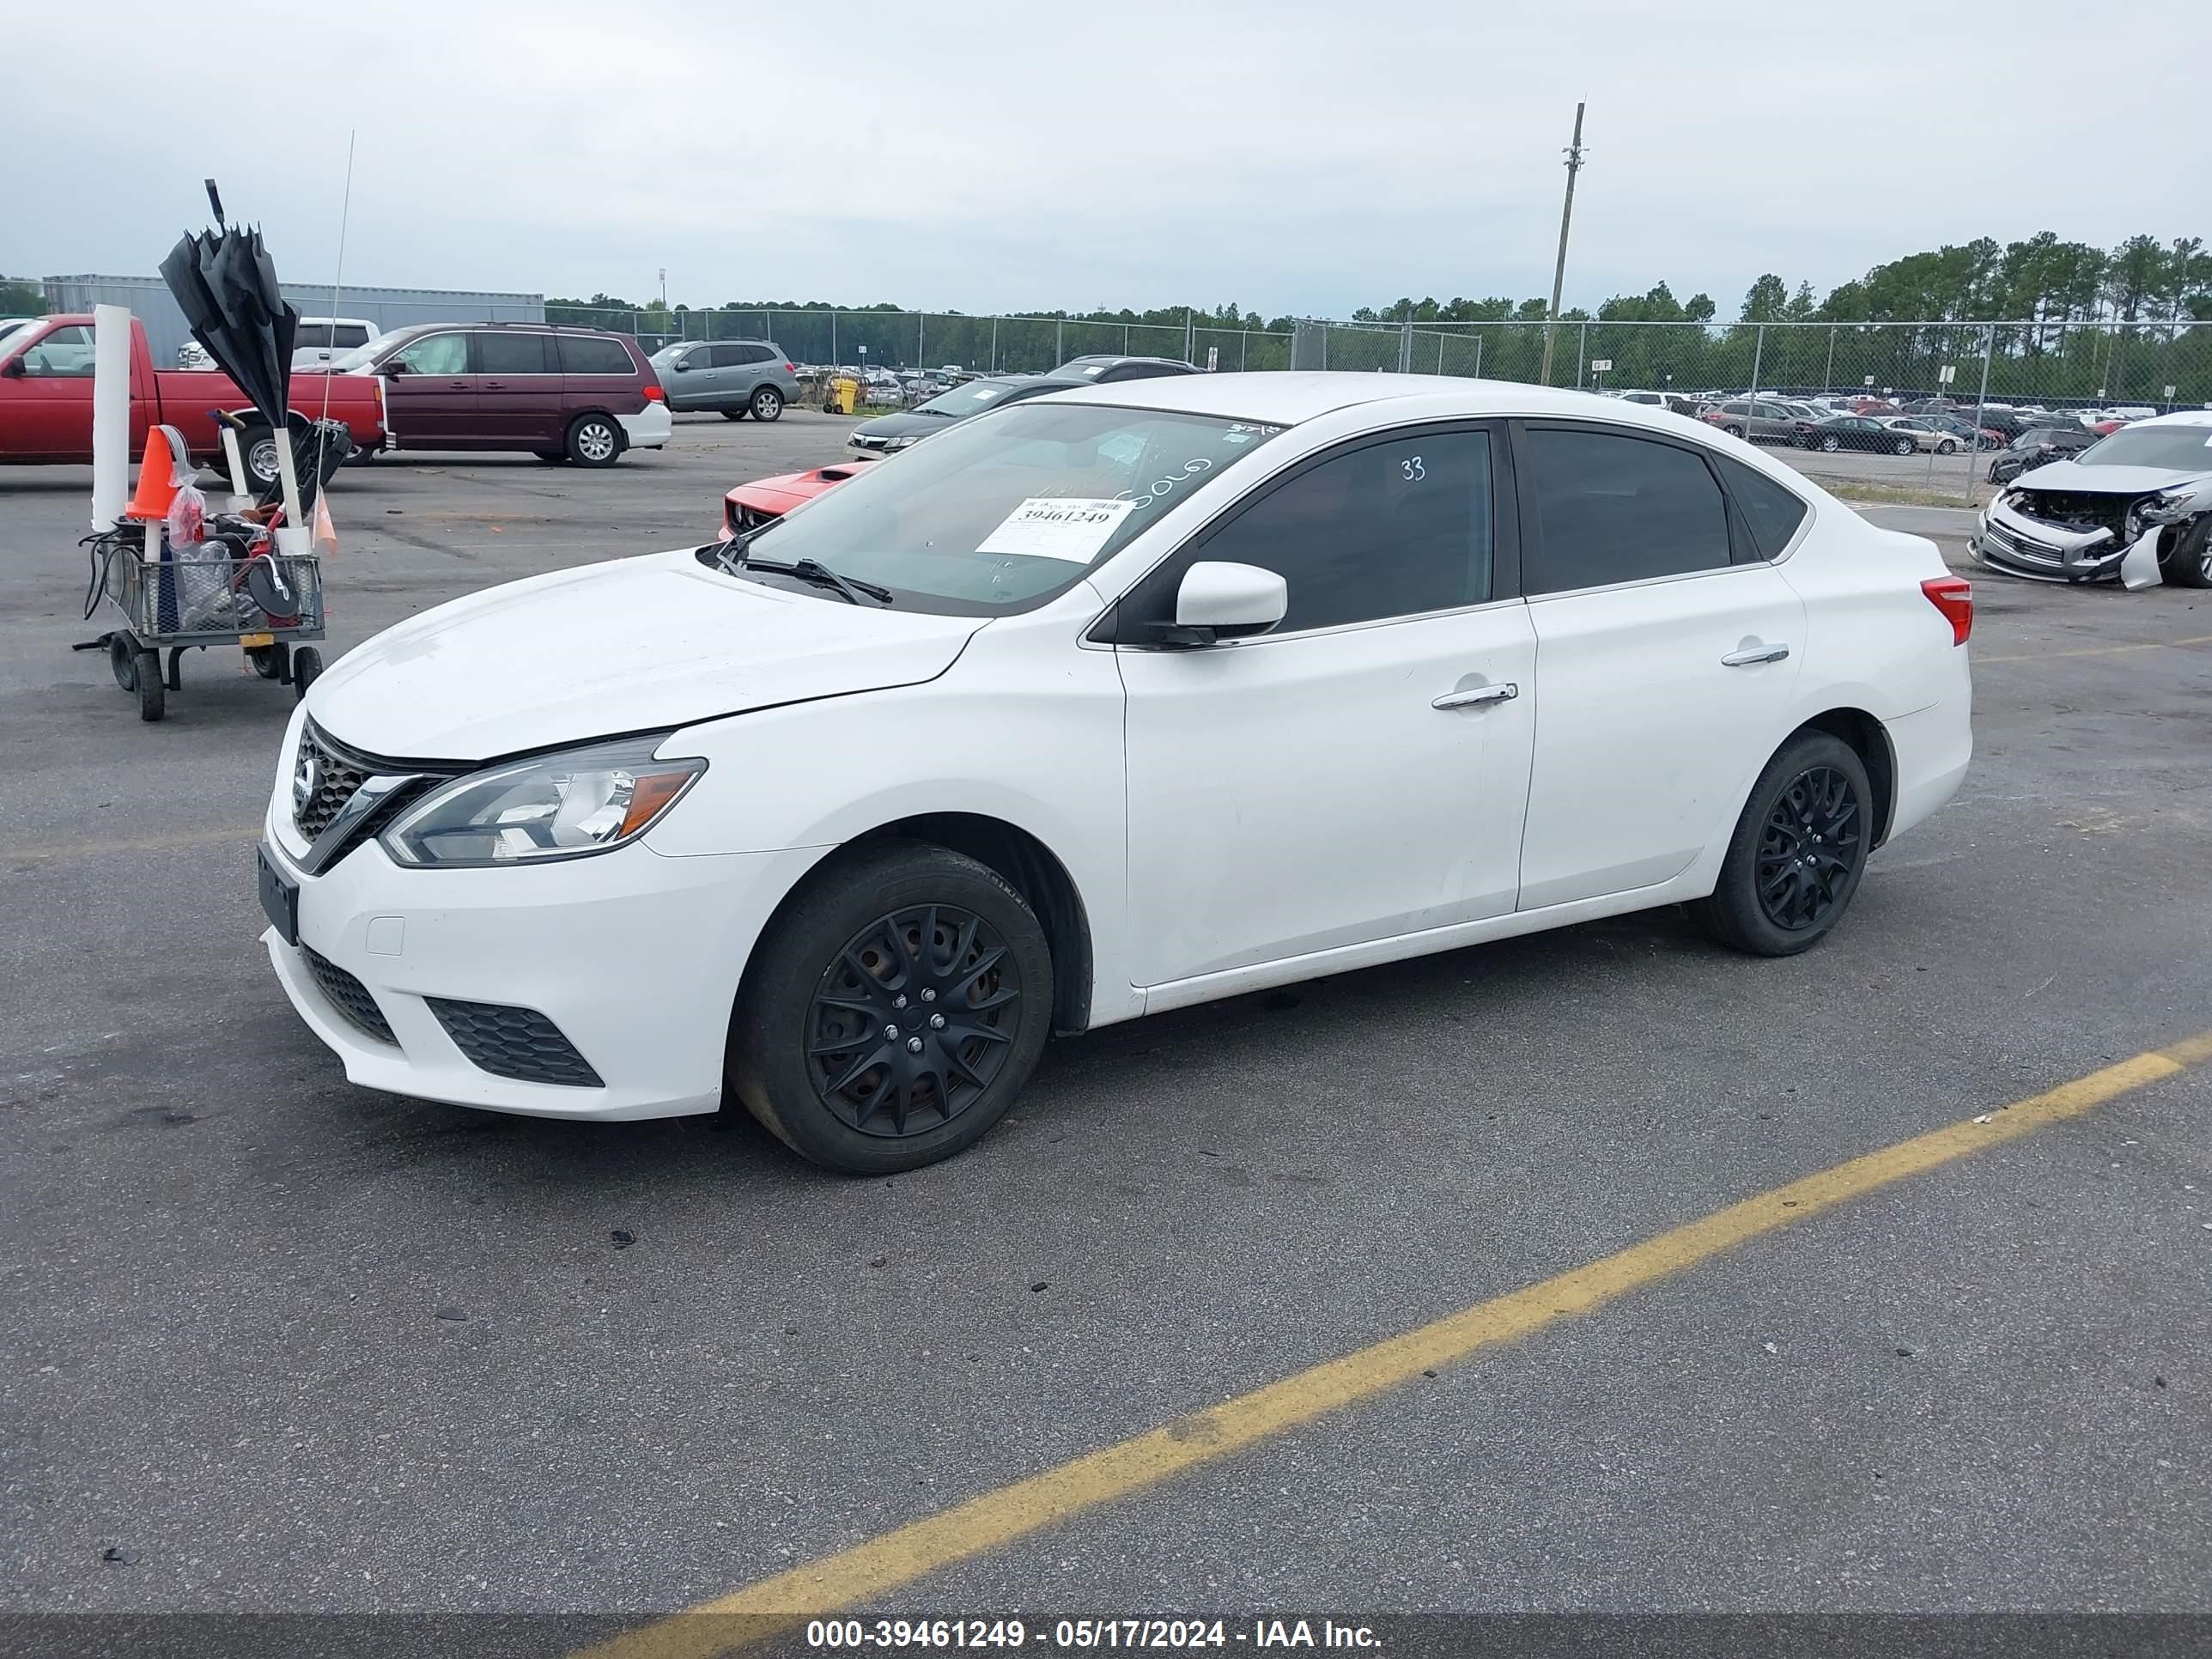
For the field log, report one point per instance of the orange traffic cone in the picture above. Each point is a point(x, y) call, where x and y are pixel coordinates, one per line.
point(167, 463)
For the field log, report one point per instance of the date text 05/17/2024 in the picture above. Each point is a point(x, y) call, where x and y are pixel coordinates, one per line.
point(1079, 1634)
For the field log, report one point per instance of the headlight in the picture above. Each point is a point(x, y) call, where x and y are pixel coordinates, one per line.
point(896, 443)
point(558, 806)
point(2168, 505)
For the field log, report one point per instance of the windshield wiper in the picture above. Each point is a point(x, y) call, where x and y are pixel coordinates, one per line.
point(813, 570)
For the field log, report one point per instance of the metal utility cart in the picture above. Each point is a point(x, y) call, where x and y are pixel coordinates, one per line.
point(269, 603)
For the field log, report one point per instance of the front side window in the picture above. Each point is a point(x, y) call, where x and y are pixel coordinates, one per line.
point(65, 354)
point(511, 354)
point(998, 514)
point(969, 399)
point(1393, 529)
point(1621, 509)
point(435, 354)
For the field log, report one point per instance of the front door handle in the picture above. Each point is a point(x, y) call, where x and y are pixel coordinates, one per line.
point(1754, 653)
point(1477, 693)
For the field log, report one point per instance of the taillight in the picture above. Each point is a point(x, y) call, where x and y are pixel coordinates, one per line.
point(654, 393)
point(1954, 597)
point(790, 368)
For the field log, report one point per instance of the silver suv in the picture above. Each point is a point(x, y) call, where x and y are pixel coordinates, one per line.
point(737, 377)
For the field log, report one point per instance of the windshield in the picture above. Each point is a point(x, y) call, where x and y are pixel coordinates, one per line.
point(1006, 512)
point(2179, 448)
point(972, 399)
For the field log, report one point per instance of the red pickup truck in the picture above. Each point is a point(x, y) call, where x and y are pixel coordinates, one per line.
point(46, 399)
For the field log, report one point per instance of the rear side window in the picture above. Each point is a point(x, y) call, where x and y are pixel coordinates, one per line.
point(593, 354)
point(1621, 509)
point(1392, 530)
point(1772, 511)
point(755, 354)
point(511, 354)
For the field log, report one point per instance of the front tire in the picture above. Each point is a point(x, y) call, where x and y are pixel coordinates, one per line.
point(1831, 444)
point(152, 695)
point(594, 441)
point(1903, 447)
point(306, 666)
point(894, 1011)
point(1946, 448)
point(1798, 851)
point(2188, 564)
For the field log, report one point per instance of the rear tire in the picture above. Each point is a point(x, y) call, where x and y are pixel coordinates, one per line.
point(257, 448)
point(836, 1058)
point(595, 440)
point(1945, 446)
point(733, 414)
point(271, 662)
point(306, 664)
point(766, 404)
point(2189, 563)
point(1903, 447)
point(1831, 444)
point(123, 660)
point(1798, 853)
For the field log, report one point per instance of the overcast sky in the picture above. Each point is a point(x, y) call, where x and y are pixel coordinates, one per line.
point(1291, 156)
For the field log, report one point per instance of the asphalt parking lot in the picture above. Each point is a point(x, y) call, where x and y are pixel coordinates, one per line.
point(272, 1341)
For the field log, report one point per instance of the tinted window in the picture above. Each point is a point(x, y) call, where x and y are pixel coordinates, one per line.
point(1774, 513)
point(1392, 530)
point(755, 354)
point(2186, 448)
point(435, 354)
point(593, 354)
point(1616, 509)
point(511, 354)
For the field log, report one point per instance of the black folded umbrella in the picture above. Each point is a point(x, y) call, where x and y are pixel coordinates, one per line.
point(226, 284)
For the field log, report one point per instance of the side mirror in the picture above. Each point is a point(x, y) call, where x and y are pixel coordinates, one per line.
point(393, 366)
point(1220, 601)
point(13, 369)
point(682, 366)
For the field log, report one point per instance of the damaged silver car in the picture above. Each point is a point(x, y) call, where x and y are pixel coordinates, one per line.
point(2135, 507)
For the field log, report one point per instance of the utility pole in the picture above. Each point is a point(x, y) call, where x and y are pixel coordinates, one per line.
point(1559, 268)
point(664, 287)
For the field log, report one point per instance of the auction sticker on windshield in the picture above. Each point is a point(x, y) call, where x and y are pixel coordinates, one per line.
point(1069, 528)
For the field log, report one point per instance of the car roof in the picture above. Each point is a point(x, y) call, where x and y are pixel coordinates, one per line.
point(2186, 417)
point(1287, 397)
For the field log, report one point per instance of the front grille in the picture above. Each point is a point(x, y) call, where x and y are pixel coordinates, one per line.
point(519, 1044)
point(336, 780)
point(2005, 542)
point(348, 996)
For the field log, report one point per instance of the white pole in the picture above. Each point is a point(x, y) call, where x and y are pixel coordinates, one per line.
point(240, 497)
point(294, 535)
point(111, 414)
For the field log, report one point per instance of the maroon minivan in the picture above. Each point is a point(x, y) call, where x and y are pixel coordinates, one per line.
point(573, 394)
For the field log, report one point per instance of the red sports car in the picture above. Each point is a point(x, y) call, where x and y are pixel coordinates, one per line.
point(749, 505)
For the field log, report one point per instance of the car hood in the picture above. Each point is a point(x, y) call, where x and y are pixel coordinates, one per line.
point(904, 423)
point(610, 648)
point(2106, 480)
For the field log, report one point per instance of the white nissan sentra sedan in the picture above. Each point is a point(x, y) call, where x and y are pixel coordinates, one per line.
point(1111, 701)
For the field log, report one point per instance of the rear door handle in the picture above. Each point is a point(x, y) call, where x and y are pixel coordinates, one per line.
point(1477, 693)
point(1755, 654)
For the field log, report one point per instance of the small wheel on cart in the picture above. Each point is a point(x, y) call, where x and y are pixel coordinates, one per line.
point(153, 696)
point(270, 661)
point(306, 664)
point(123, 660)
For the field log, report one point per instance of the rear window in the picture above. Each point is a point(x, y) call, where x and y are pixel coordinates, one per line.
point(593, 354)
point(1773, 512)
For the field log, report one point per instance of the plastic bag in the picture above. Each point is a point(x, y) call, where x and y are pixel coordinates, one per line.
point(199, 569)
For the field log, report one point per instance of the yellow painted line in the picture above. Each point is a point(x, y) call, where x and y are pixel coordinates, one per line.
point(89, 849)
point(899, 1558)
point(2099, 650)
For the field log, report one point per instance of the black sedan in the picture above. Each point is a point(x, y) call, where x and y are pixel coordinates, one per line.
point(2038, 446)
point(1854, 432)
point(889, 434)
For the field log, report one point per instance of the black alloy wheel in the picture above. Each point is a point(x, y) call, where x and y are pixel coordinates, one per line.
point(1809, 848)
point(913, 1020)
point(893, 1010)
point(1798, 851)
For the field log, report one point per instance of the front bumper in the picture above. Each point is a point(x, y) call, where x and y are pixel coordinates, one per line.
point(634, 956)
point(2010, 541)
